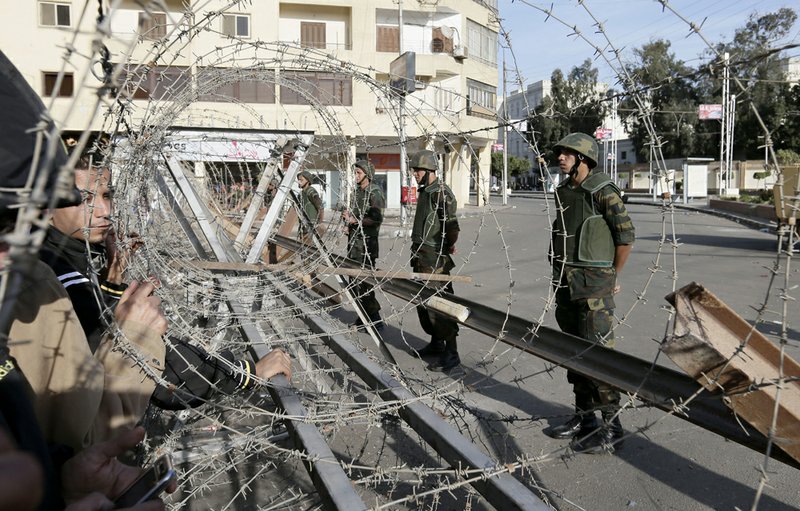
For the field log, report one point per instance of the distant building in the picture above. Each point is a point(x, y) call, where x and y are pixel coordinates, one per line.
point(791, 68)
point(521, 103)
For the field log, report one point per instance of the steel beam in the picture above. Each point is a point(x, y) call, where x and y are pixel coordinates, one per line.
point(280, 197)
point(335, 488)
point(659, 386)
point(501, 489)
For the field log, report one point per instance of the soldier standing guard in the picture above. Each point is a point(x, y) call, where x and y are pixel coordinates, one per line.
point(433, 240)
point(592, 238)
point(363, 221)
point(311, 203)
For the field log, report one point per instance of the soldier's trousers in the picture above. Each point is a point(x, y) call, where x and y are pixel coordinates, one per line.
point(591, 319)
point(438, 326)
point(364, 250)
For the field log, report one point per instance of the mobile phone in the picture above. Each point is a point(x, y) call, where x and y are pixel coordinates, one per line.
point(147, 486)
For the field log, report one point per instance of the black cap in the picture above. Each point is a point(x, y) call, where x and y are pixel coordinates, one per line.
point(23, 114)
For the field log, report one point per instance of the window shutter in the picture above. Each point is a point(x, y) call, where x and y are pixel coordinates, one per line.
point(229, 25)
point(388, 39)
point(312, 35)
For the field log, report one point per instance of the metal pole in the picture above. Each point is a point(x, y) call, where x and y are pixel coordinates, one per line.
point(731, 121)
point(505, 135)
point(614, 138)
point(723, 139)
point(404, 176)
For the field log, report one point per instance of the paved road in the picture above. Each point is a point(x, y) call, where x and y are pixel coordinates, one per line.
point(509, 397)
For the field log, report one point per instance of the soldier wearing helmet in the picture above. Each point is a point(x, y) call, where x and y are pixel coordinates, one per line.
point(592, 238)
point(363, 219)
point(433, 240)
point(310, 202)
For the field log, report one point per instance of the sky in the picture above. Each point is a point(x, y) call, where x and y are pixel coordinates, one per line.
point(538, 47)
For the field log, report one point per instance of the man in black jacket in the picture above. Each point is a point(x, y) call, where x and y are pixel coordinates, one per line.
point(81, 249)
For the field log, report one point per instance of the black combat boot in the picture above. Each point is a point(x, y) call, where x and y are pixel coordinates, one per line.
point(377, 322)
point(615, 430)
point(566, 430)
point(591, 439)
point(450, 360)
point(433, 349)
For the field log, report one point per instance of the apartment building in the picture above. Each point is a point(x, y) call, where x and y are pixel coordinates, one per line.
point(274, 66)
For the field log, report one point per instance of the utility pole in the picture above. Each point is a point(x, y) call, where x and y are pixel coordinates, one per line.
point(505, 135)
point(614, 138)
point(726, 137)
point(404, 176)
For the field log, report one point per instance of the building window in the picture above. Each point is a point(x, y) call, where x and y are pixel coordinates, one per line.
point(624, 155)
point(159, 82)
point(214, 84)
point(66, 88)
point(305, 88)
point(482, 43)
point(440, 43)
point(312, 35)
point(482, 97)
point(236, 25)
point(387, 38)
point(54, 15)
point(152, 26)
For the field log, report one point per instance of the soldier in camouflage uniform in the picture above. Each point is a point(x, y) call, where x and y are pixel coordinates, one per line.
point(433, 239)
point(363, 219)
point(310, 202)
point(592, 238)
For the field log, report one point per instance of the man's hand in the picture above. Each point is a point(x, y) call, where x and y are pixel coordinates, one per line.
point(97, 470)
point(117, 260)
point(20, 478)
point(276, 361)
point(139, 304)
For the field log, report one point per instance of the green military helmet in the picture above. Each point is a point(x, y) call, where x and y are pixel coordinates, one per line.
point(367, 167)
point(425, 160)
point(307, 175)
point(582, 144)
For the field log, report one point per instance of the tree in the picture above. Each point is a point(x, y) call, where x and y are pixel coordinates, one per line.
point(756, 62)
point(665, 89)
point(574, 104)
point(516, 166)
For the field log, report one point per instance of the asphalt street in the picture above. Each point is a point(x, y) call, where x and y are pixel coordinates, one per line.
point(509, 397)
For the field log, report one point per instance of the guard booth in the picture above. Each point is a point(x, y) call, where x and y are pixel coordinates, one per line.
point(787, 199)
point(695, 179)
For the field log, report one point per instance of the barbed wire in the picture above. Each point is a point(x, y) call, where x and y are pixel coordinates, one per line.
point(234, 448)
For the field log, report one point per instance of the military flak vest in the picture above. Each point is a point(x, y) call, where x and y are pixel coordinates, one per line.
point(588, 241)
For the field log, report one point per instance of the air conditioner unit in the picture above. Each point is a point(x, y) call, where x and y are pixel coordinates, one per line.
point(460, 52)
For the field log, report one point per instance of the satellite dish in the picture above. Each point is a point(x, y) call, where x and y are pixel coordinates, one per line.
point(448, 31)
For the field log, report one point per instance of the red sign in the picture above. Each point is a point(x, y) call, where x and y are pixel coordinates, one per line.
point(497, 148)
point(385, 161)
point(603, 133)
point(709, 112)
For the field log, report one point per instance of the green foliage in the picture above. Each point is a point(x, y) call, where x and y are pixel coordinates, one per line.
point(671, 96)
point(516, 166)
point(674, 90)
point(787, 156)
point(573, 106)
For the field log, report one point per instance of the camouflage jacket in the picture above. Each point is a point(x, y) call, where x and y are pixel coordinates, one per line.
point(367, 207)
point(436, 226)
point(311, 203)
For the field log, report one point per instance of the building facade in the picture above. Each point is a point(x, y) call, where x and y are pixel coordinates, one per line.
point(315, 66)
